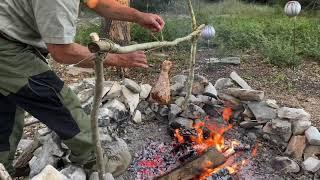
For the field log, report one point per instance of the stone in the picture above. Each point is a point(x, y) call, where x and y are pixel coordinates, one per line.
point(300, 126)
point(155, 107)
point(261, 111)
point(278, 128)
point(74, 173)
point(245, 94)
point(272, 103)
point(85, 95)
point(113, 109)
point(137, 118)
point(87, 105)
point(296, 147)
point(48, 154)
point(174, 110)
point(285, 164)
point(77, 87)
point(49, 173)
point(226, 60)
point(23, 144)
point(293, 114)
point(236, 103)
point(149, 114)
point(181, 122)
point(223, 83)
point(193, 112)
point(164, 111)
point(247, 113)
point(133, 86)
point(89, 82)
point(145, 91)
point(179, 79)
point(242, 83)
point(115, 91)
point(249, 124)
point(313, 136)
point(199, 84)
point(131, 99)
point(206, 99)
point(311, 164)
point(179, 101)
point(210, 91)
point(311, 151)
point(119, 157)
point(95, 176)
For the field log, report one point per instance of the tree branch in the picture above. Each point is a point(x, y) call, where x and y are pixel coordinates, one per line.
point(95, 107)
point(192, 61)
point(109, 46)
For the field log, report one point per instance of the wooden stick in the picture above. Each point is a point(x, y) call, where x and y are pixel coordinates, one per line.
point(195, 167)
point(192, 61)
point(109, 46)
point(4, 175)
point(96, 104)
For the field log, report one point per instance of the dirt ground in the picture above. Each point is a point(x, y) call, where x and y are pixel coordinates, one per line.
point(298, 87)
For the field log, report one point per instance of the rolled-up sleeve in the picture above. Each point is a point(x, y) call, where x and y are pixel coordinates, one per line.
point(56, 20)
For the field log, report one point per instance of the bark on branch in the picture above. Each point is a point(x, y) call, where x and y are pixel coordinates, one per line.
point(105, 46)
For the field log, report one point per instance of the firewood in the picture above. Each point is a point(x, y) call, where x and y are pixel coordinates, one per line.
point(4, 175)
point(195, 167)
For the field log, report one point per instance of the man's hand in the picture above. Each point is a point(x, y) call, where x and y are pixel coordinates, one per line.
point(130, 60)
point(151, 21)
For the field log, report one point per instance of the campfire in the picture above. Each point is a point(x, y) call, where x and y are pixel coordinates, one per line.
point(199, 152)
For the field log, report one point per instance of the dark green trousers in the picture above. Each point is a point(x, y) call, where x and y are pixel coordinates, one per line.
point(28, 84)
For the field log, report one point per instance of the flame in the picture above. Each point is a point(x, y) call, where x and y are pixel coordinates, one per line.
point(254, 151)
point(180, 138)
point(226, 114)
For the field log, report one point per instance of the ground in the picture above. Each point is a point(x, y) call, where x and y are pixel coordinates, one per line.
point(298, 87)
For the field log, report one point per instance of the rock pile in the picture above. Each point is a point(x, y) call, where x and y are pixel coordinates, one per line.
point(289, 128)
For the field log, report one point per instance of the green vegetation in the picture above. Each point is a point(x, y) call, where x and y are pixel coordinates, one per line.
point(240, 28)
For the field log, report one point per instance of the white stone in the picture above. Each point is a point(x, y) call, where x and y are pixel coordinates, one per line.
point(50, 173)
point(293, 114)
point(75, 71)
point(114, 92)
point(85, 95)
point(313, 135)
point(245, 94)
point(242, 83)
point(285, 164)
point(210, 90)
point(300, 126)
point(137, 118)
point(145, 91)
point(223, 83)
point(115, 105)
point(74, 173)
point(311, 164)
point(272, 103)
point(95, 176)
point(132, 99)
point(24, 143)
point(133, 86)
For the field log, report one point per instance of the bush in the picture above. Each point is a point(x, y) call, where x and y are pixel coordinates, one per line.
point(83, 32)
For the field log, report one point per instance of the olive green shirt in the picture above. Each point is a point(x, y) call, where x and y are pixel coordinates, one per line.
point(37, 22)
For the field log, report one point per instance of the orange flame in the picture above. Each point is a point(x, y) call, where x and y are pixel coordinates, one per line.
point(178, 136)
point(254, 151)
point(226, 114)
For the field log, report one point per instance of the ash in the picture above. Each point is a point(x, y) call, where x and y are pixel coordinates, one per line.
point(155, 159)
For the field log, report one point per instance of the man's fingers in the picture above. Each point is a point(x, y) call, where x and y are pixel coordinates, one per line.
point(160, 21)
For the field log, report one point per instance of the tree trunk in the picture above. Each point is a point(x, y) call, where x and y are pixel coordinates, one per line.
point(117, 31)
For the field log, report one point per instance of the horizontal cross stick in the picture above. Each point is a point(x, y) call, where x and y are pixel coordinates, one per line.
point(105, 46)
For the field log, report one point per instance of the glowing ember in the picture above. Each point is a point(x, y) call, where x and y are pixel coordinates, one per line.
point(226, 114)
point(180, 138)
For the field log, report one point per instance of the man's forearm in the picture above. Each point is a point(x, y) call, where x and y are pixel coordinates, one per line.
point(116, 11)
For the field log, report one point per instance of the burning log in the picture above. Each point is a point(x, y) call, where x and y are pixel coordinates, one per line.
point(195, 167)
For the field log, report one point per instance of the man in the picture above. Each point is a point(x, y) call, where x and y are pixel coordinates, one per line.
point(29, 29)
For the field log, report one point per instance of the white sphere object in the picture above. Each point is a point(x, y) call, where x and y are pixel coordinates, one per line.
point(292, 8)
point(208, 32)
